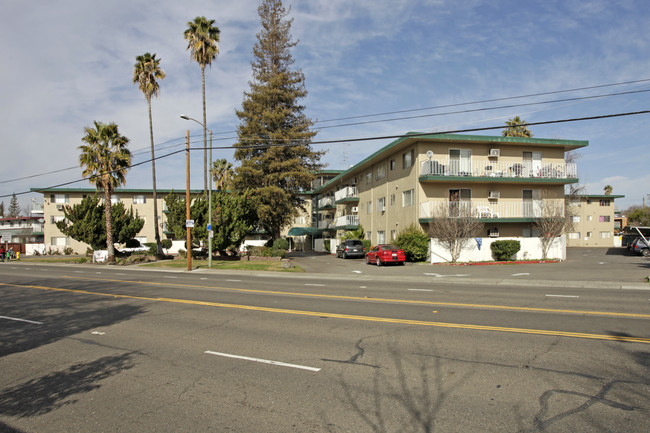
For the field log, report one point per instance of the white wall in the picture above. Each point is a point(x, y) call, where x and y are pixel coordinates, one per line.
point(531, 249)
point(319, 245)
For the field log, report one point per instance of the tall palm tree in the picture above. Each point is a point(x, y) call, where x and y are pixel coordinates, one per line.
point(222, 173)
point(202, 41)
point(105, 159)
point(516, 127)
point(145, 72)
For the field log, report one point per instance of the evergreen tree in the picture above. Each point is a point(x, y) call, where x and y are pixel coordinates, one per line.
point(14, 207)
point(274, 135)
point(86, 222)
point(2, 209)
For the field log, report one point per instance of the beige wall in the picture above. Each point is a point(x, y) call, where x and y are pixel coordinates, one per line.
point(589, 230)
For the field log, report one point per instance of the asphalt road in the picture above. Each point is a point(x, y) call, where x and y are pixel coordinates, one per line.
point(108, 349)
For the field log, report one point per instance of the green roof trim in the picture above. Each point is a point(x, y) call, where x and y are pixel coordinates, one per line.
point(302, 231)
point(487, 139)
point(599, 196)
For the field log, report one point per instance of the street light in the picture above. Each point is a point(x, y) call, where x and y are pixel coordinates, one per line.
point(184, 117)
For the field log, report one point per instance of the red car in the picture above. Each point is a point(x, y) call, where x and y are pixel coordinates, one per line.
point(385, 253)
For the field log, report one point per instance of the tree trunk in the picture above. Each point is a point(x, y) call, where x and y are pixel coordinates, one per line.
point(109, 224)
point(205, 138)
point(153, 175)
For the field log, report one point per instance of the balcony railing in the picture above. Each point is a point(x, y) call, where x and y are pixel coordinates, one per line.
point(527, 169)
point(326, 201)
point(347, 220)
point(347, 192)
point(485, 209)
point(325, 225)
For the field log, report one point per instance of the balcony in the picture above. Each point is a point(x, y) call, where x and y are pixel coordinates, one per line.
point(326, 202)
point(347, 221)
point(485, 210)
point(349, 193)
point(325, 225)
point(498, 170)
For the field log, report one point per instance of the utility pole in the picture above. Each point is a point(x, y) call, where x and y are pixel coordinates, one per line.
point(187, 202)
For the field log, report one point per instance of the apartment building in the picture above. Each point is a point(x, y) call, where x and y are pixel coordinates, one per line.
point(506, 182)
point(141, 200)
point(593, 221)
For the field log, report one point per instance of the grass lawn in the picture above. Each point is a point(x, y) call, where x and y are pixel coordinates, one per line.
point(241, 265)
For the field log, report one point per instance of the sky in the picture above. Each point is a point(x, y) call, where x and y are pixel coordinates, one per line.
point(67, 63)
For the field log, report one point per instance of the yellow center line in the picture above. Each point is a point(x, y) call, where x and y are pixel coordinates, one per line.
point(369, 298)
point(352, 317)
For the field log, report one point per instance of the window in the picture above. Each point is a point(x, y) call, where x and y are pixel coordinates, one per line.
point(574, 235)
point(604, 202)
point(381, 172)
point(60, 198)
point(115, 199)
point(139, 199)
point(381, 237)
point(392, 164)
point(605, 235)
point(393, 235)
point(56, 218)
point(588, 235)
point(59, 241)
point(369, 236)
point(369, 178)
point(407, 198)
point(392, 199)
point(299, 220)
point(381, 205)
point(603, 218)
point(407, 158)
point(590, 217)
point(575, 218)
point(369, 207)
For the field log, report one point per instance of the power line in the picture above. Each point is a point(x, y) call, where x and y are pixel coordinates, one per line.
point(383, 137)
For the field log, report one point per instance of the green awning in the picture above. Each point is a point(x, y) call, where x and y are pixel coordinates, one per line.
point(302, 231)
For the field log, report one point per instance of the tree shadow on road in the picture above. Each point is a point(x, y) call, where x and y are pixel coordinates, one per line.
point(52, 391)
point(57, 315)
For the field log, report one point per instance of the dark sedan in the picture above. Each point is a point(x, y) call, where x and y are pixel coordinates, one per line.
point(350, 248)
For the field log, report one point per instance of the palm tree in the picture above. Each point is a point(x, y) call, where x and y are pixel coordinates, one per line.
point(105, 159)
point(608, 189)
point(202, 42)
point(516, 127)
point(222, 173)
point(145, 72)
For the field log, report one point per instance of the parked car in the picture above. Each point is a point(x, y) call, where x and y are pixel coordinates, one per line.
point(350, 248)
point(639, 246)
point(385, 253)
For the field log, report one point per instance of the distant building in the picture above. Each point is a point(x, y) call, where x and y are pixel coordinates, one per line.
point(593, 221)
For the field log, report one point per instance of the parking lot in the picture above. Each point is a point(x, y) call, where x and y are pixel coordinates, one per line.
point(614, 265)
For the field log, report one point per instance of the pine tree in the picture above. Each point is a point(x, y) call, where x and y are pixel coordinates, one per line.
point(274, 135)
point(14, 207)
point(2, 209)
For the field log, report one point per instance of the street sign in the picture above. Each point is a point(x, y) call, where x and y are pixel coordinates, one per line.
point(189, 224)
point(211, 234)
point(209, 227)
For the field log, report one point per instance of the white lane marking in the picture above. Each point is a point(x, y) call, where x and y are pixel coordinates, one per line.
point(601, 263)
point(263, 361)
point(78, 272)
point(234, 281)
point(121, 274)
point(363, 287)
point(21, 320)
point(98, 272)
point(356, 272)
point(520, 274)
point(421, 290)
point(563, 296)
point(315, 285)
point(204, 278)
point(441, 276)
point(167, 276)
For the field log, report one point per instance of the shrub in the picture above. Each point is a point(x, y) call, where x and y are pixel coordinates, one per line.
point(415, 244)
point(502, 251)
point(68, 251)
point(166, 243)
point(366, 244)
point(327, 246)
point(132, 243)
point(152, 247)
point(281, 244)
point(265, 252)
point(182, 253)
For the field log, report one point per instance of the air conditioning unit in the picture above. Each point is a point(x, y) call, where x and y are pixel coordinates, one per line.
point(493, 233)
point(59, 207)
point(355, 209)
point(382, 209)
point(495, 152)
point(494, 195)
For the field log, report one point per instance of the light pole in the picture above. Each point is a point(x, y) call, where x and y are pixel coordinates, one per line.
point(209, 191)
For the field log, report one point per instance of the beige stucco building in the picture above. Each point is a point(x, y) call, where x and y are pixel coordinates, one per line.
point(592, 221)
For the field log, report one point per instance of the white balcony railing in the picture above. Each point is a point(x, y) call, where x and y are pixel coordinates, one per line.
point(326, 201)
point(484, 209)
point(347, 192)
point(325, 225)
point(347, 220)
point(445, 167)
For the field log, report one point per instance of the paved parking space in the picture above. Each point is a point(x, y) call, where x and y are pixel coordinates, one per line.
point(582, 264)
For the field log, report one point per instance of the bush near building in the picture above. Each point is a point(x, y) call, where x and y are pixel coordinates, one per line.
point(415, 244)
point(502, 251)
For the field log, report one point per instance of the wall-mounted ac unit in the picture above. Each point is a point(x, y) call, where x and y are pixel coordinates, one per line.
point(494, 195)
point(382, 209)
point(495, 152)
point(493, 233)
point(355, 209)
point(59, 207)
